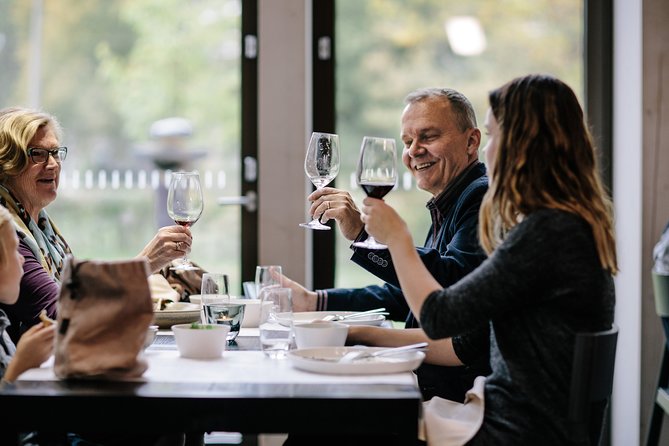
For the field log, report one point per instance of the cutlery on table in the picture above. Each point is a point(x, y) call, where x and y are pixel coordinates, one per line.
point(362, 354)
point(341, 317)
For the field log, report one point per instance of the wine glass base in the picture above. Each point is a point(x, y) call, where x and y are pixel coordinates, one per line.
point(369, 245)
point(315, 224)
point(184, 267)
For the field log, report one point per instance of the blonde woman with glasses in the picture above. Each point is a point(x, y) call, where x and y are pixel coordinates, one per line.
point(31, 155)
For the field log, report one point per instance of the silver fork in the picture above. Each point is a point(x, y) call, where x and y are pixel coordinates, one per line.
point(341, 317)
point(356, 355)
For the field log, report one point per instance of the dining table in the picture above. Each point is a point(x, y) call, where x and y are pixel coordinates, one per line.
point(242, 391)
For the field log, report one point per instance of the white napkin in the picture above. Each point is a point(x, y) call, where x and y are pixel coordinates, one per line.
point(160, 289)
point(449, 423)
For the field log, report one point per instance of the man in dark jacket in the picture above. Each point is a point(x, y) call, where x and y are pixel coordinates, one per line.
point(441, 141)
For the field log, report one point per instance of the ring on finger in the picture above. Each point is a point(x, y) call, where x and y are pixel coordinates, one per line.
point(177, 246)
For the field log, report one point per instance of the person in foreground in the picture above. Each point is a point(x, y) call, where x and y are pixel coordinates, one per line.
point(441, 142)
point(546, 223)
point(36, 344)
point(30, 161)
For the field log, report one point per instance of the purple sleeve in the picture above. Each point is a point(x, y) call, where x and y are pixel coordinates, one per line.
point(38, 291)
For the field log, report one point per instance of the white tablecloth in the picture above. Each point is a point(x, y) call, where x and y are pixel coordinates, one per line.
point(234, 367)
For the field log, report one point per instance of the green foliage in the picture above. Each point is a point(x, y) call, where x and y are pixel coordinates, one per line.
point(387, 48)
point(109, 69)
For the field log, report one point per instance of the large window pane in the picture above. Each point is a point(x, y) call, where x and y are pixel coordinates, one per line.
point(387, 48)
point(115, 73)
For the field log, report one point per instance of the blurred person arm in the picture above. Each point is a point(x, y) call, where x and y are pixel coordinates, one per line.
point(349, 299)
point(171, 242)
point(470, 348)
point(368, 298)
point(336, 204)
point(303, 299)
point(454, 251)
point(439, 352)
point(34, 347)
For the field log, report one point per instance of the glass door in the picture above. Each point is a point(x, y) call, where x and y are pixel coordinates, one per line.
point(141, 89)
point(386, 49)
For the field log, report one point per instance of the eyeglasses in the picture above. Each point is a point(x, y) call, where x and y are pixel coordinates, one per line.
point(41, 156)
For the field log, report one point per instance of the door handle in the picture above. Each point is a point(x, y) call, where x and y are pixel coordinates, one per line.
point(249, 201)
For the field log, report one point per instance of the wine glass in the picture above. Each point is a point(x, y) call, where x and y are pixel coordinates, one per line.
point(321, 165)
point(184, 205)
point(376, 174)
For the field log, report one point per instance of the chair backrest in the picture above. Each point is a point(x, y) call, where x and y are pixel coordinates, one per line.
point(661, 293)
point(592, 382)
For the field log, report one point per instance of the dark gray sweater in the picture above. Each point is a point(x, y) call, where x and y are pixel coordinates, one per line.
point(538, 289)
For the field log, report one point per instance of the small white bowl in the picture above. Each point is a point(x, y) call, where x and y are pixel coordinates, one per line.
point(320, 334)
point(206, 342)
point(151, 333)
point(255, 311)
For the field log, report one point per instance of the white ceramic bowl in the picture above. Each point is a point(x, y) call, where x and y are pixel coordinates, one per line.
point(320, 334)
point(253, 316)
point(255, 312)
point(150, 335)
point(206, 342)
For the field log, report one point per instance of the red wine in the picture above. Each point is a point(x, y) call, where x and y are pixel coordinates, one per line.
point(376, 190)
point(185, 223)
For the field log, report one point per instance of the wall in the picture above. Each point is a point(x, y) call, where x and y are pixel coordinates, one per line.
point(655, 190)
point(282, 121)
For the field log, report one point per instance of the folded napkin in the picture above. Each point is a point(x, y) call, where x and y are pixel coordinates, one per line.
point(161, 289)
point(449, 423)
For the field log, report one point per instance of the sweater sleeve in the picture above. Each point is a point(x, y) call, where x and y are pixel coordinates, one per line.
point(517, 275)
point(38, 291)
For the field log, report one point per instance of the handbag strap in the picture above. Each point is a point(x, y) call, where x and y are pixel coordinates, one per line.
point(72, 283)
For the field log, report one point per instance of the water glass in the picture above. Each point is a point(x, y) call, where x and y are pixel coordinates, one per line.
point(276, 333)
point(267, 276)
point(214, 283)
point(225, 314)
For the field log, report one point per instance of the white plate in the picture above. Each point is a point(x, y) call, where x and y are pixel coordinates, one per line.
point(324, 360)
point(310, 316)
point(177, 313)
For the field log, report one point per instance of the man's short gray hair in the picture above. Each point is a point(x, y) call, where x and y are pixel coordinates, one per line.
point(462, 108)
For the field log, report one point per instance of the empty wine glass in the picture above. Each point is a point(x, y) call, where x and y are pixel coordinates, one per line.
point(376, 174)
point(321, 165)
point(184, 205)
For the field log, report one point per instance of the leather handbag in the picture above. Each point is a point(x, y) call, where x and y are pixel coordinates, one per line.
point(104, 311)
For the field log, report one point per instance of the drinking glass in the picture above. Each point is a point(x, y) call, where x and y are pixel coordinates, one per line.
point(276, 333)
point(226, 313)
point(321, 165)
point(267, 276)
point(376, 174)
point(214, 290)
point(184, 205)
point(215, 283)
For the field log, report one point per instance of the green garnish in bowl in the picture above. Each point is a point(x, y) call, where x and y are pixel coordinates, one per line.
point(198, 326)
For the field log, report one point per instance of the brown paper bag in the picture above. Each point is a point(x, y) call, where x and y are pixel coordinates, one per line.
point(104, 311)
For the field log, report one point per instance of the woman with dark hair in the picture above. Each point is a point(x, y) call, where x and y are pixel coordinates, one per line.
point(546, 224)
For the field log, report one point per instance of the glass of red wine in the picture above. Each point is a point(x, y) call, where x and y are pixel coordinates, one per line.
point(376, 174)
point(184, 205)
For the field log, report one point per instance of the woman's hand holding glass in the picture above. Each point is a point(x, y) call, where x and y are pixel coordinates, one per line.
point(185, 204)
point(382, 221)
point(376, 174)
